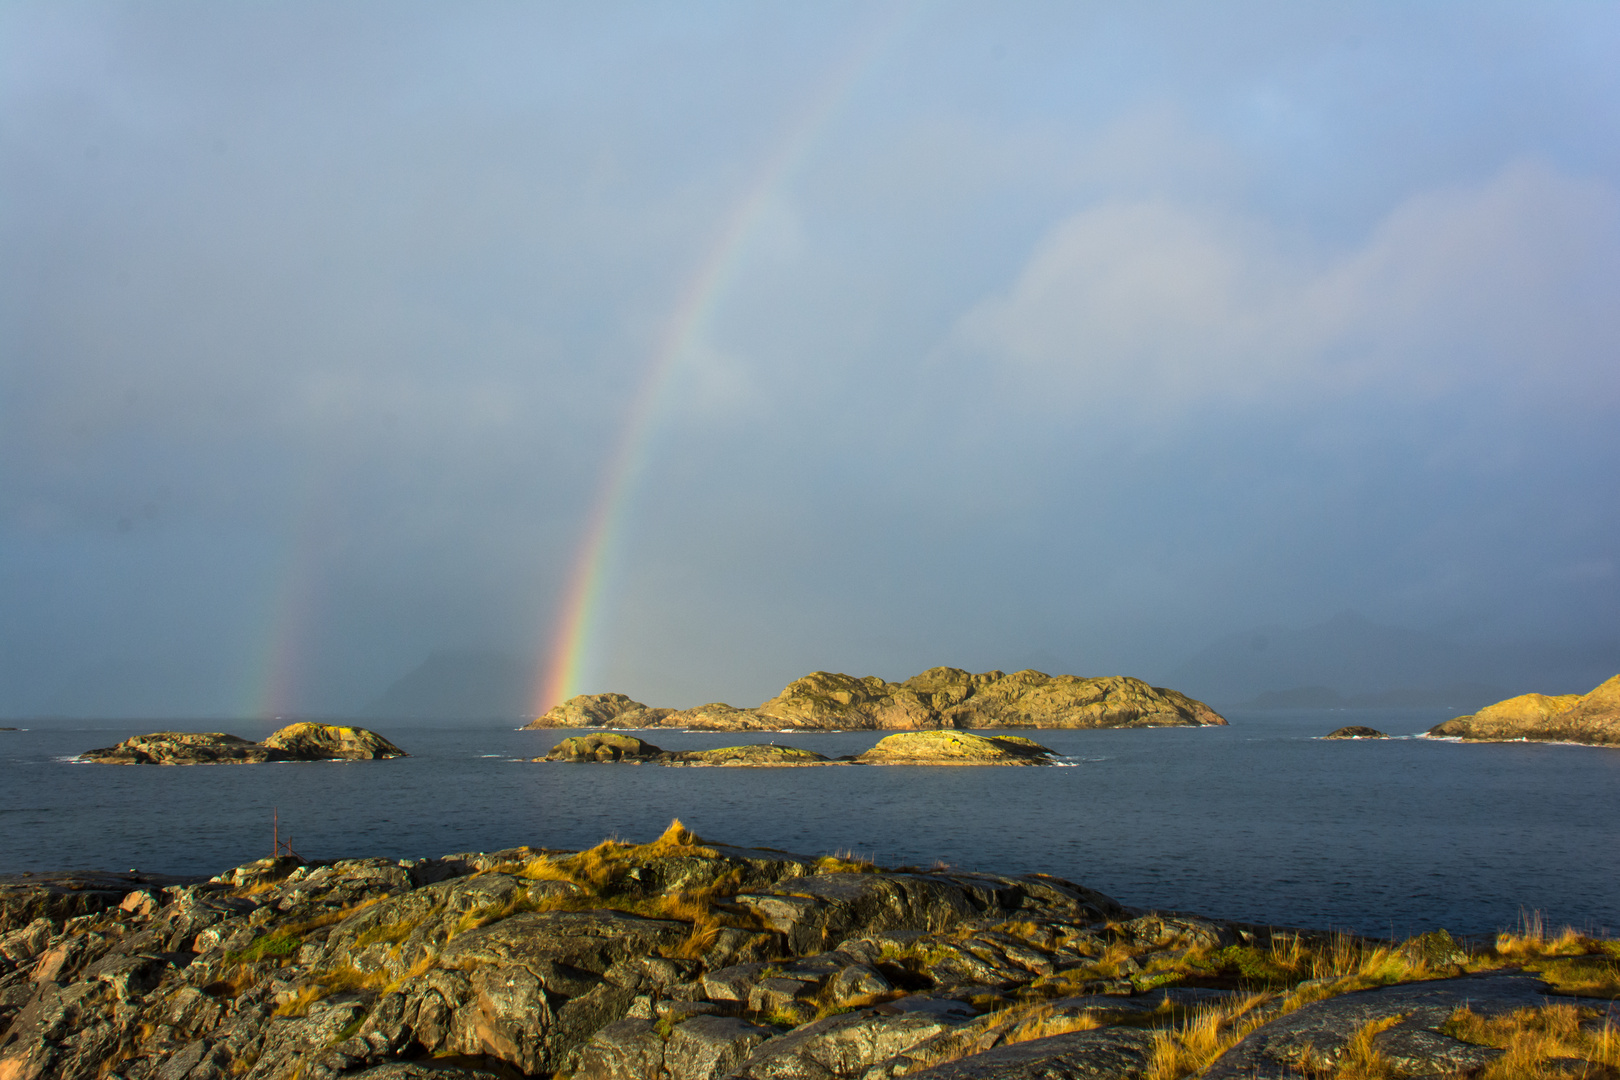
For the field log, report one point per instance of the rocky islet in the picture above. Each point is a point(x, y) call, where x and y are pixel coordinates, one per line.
point(940, 697)
point(304, 741)
point(687, 960)
point(905, 748)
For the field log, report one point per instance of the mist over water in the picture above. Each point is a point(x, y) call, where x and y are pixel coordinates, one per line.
point(1260, 821)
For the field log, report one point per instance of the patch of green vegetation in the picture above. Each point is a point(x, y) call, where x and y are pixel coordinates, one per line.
point(1255, 966)
point(281, 943)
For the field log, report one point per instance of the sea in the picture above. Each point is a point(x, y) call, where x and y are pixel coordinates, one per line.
point(1261, 821)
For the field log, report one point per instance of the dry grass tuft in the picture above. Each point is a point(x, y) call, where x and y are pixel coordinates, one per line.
point(1359, 1060)
point(1189, 1047)
point(1542, 1043)
point(608, 876)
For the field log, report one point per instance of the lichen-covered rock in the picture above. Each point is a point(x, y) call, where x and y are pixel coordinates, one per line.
point(844, 1045)
point(955, 748)
point(672, 960)
point(1592, 718)
point(1107, 1054)
point(295, 742)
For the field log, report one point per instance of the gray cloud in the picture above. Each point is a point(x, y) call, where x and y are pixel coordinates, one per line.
point(1076, 336)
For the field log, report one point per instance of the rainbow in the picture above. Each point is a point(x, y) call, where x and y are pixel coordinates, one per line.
point(273, 683)
point(575, 635)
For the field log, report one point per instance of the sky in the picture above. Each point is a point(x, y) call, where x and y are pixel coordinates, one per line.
point(682, 349)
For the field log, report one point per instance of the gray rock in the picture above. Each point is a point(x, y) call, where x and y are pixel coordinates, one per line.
point(421, 1070)
point(1104, 1054)
point(841, 1046)
point(706, 1047)
point(1323, 1029)
point(628, 1049)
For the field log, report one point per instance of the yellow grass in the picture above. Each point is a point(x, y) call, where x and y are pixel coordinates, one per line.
point(1359, 1060)
point(1189, 1047)
point(601, 877)
point(1532, 1040)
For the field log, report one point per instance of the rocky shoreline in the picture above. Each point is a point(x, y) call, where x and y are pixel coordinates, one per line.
point(940, 697)
point(682, 959)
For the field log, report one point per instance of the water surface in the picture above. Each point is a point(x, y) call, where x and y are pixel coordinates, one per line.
point(1262, 820)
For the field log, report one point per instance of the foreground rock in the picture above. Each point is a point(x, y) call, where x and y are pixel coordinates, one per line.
point(684, 960)
point(938, 698)
point(1356, 731)
point(295, 742)
point(1580, 718)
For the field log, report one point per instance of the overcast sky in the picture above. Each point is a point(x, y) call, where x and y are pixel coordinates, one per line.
point(1057, 335)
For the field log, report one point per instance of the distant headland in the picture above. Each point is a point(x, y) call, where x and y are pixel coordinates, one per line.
point(940, 697)
point(1592, 718)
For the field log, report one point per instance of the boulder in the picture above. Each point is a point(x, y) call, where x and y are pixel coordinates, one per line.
point(295, 742)
point(955, 748)
point(1114, 1053)
point(1592, 718)
point(843, 1045)
point(1356, 731)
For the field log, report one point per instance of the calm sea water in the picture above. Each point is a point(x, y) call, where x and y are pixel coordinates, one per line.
point(1260, 821)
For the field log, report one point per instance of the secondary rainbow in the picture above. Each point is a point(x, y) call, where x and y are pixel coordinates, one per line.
point(575, 631)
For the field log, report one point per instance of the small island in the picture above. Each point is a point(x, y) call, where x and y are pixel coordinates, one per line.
point(940, 697)
point(906, 748)
point(1593, 719)
point(1356, 731)
point(296, 742)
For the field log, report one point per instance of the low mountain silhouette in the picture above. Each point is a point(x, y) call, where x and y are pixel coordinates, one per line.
point(1350, 661)
point(1459, 696)
point(459, 685)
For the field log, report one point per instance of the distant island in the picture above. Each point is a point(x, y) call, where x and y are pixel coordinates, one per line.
point(295, 742)
point(905, 748)
point(1592, 718)
point(940, 697)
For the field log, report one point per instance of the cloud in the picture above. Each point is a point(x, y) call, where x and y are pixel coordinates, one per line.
point(1508, 286)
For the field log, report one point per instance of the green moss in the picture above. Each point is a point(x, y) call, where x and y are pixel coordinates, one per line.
point(281, 943)
point(1252, 965)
